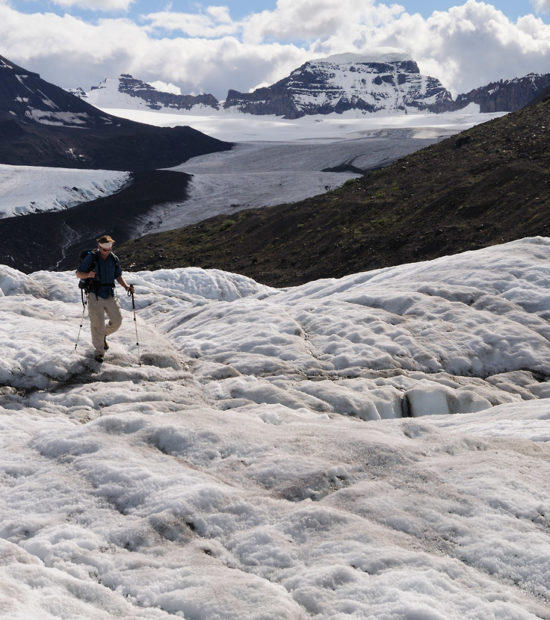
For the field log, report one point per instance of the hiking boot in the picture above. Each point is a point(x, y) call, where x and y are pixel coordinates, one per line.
point(99, 357)
point(105, 343)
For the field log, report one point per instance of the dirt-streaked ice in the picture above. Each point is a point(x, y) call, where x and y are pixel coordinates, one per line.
point(257, 464)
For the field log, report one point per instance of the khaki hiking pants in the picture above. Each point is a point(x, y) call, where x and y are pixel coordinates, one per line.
point(97, 309)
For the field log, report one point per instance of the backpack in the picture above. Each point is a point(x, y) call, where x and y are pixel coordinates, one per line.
point(89, 285)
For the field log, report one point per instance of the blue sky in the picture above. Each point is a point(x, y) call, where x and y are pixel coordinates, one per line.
point(511, 8)
point(200, 47)
point(241, 8)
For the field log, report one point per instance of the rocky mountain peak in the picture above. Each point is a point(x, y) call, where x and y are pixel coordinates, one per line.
point(127, 91)
point(378, 83)
point(506, 95)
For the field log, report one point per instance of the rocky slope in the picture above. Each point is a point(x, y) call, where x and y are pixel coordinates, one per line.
point(484, 186)
point(43, 125)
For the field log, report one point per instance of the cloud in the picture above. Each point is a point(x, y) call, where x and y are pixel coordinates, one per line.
point(96, 5)
point(219, 13)
point(215, 66)
point(317, 19)
point(465, 47)
point(214, 24)
point(475, 44)
point(165, 87)
point(542, 6)
point(207, 51)
point(66, 50)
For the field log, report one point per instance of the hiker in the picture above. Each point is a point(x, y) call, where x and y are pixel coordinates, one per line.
point(102, 267)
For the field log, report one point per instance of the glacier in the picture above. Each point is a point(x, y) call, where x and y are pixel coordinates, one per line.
point(375, 446)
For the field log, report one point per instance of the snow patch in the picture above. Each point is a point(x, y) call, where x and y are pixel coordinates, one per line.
point(32, 189)
point(383, 54)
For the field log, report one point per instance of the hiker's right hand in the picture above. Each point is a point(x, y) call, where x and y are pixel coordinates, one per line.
point(91, 274)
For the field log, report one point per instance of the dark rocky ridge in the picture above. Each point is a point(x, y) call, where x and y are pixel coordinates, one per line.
point(484, 186)
point(43, 125)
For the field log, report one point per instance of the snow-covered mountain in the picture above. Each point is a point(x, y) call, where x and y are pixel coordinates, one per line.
point(370, 447)
point(389, 84)
point(129, 92)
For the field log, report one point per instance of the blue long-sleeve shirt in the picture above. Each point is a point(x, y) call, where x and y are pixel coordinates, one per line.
point(107, 271)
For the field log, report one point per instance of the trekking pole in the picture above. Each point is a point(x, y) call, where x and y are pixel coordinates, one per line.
point(131, 294)
point(84, 306)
